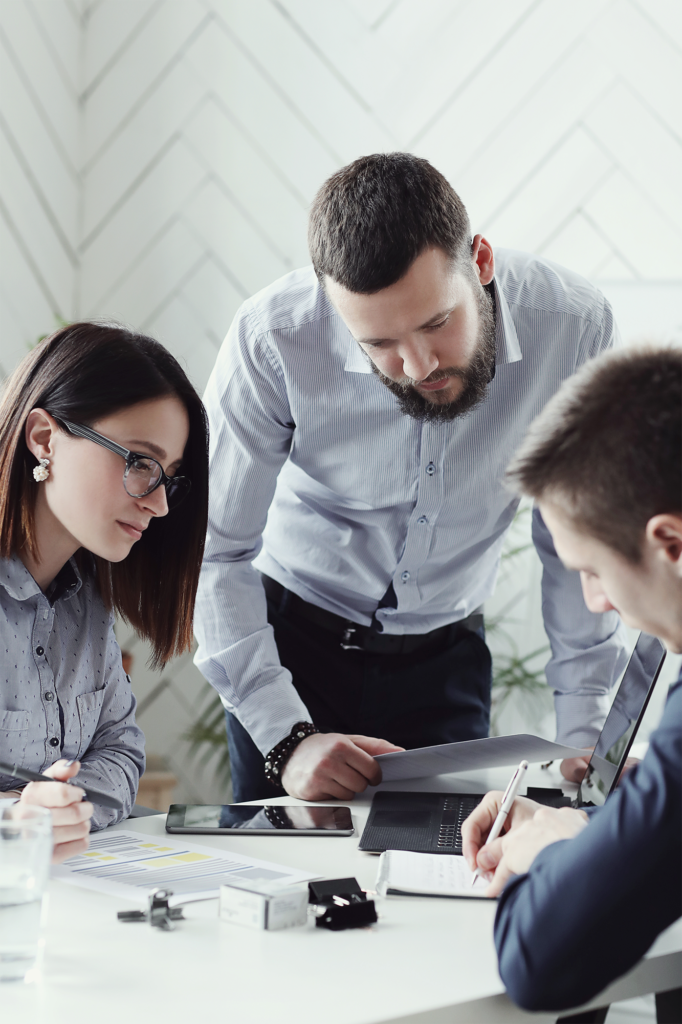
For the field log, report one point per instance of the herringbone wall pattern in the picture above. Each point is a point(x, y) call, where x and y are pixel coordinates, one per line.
point(158, 157)
point(40, 174)
point(200, 164)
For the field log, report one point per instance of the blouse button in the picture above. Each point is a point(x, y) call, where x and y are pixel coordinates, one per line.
point(40, 651)
point(49, 695)
point(54, 742)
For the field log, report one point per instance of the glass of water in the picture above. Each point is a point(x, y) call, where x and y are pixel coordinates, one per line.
point(25, 853)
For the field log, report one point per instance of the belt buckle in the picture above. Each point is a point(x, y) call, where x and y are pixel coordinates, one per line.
point(348, 635)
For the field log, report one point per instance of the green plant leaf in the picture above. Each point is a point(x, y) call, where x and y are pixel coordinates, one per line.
point(207, 736)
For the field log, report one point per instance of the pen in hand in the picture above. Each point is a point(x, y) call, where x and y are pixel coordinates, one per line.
point(508, 799)
point(95, 797)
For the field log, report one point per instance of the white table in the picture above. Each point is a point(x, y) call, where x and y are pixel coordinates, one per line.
point(427, 960)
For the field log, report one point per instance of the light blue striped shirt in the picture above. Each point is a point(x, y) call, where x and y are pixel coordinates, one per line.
point(318, 480)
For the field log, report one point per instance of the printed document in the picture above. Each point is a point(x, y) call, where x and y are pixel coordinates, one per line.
point(130, 865)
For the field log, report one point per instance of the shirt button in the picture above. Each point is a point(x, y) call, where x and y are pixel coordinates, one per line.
point(40, 651)
point(422, 520)
point(405, 576)
point(49, 695)
point(388, 611)
point(430, 469)
point(54, 742)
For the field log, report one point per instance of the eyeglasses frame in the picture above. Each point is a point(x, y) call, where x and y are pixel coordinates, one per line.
point(80, 430)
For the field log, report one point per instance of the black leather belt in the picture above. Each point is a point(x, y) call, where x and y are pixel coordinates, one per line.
point(352, 636)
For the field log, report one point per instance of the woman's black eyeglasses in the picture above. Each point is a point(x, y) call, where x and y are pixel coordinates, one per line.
point(142, 473)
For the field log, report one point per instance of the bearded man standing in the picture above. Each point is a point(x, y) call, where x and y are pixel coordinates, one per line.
point(362, 414)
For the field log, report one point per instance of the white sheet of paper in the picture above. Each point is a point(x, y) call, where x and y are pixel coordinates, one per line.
point(130, 865)
point(471, 755)
point(427, 874)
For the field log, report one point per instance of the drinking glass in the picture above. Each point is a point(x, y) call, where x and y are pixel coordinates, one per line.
point(25, 853)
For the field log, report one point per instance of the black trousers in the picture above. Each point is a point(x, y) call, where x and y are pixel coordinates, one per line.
point(438, 694)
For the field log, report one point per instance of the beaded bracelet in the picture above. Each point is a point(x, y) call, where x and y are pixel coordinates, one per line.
point(279, 755)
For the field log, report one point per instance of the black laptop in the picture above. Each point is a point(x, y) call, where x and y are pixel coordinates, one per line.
point(431, 822)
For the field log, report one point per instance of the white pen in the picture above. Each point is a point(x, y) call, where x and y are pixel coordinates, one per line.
point(505, 807)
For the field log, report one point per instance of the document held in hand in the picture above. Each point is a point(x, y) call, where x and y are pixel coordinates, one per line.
point(402, 873)
point(472, 755)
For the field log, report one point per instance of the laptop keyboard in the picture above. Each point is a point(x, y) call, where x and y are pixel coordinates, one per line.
point(455, 810)
point(423, 822)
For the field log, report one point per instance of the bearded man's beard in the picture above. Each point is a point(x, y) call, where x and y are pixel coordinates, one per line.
point(475, 377)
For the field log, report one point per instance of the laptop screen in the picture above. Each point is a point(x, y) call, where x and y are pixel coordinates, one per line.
point(620, 727)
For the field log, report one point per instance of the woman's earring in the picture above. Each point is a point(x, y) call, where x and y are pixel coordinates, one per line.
point(41, 472)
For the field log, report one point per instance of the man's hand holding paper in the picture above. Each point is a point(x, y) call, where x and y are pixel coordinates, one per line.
point(332, 765)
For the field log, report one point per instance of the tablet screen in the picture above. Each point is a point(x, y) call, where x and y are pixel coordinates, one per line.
point(270, 818)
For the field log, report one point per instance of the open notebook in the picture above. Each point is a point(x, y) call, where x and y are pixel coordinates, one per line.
point(402, 873)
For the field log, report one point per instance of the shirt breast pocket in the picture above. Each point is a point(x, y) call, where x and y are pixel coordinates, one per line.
point(89, 710)
point(13, 735)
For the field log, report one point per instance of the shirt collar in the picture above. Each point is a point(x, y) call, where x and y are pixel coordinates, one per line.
point(19, 584)
point(507, 346)
point(357, 361)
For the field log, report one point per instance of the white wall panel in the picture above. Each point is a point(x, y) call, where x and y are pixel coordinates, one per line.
point(40, 190)
point(527, 109)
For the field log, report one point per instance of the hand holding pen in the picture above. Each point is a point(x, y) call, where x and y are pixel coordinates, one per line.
point(17, 772)
point(508, 799)
point(71, 812)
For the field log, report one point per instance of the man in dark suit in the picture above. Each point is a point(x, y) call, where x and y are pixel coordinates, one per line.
point(585, 894)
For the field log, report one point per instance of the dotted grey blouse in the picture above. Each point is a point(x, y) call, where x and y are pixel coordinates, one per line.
point(63, 691)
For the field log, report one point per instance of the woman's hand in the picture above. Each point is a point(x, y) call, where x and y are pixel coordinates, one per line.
point(70, 813)
point(477, 826)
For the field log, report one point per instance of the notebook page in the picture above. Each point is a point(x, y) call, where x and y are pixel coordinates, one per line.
point(428, 874)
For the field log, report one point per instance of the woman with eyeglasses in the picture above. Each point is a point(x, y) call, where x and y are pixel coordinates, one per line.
point(103, 509)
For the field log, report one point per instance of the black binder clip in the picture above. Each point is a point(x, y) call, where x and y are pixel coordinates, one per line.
point(340, 903)
point(158, 913)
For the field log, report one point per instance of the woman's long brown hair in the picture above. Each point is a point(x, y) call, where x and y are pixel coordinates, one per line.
point(84, 372)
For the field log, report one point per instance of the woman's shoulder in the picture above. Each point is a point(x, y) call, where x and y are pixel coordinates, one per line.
point(16, 580)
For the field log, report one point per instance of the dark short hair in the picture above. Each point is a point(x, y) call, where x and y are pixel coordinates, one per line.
point(84, 372)
point(607, 448)
point(372, 219)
